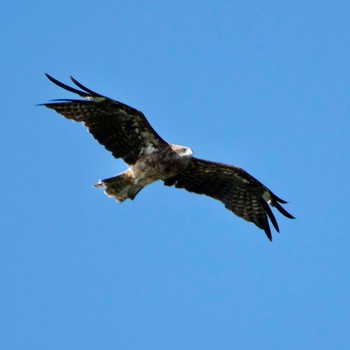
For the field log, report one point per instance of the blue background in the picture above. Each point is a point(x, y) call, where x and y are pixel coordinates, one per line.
point(262, 85)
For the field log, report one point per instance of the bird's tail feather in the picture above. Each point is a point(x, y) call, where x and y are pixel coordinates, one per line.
point(120, 187)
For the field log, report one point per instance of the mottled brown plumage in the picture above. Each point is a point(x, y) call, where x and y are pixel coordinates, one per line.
point(126, 133)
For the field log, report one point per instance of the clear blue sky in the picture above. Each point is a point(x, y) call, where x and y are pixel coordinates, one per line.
point(262, 85)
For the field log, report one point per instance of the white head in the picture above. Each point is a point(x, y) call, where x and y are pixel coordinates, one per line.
point(182, 151)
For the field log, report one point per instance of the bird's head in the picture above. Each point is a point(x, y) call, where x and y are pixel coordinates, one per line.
point(182, 151)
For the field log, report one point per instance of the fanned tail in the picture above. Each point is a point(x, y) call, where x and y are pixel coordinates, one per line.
point(120, 187)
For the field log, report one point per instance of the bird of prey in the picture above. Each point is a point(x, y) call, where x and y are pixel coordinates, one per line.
point(126, 133)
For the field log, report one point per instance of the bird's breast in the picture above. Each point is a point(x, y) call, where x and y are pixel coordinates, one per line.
point(159, 166)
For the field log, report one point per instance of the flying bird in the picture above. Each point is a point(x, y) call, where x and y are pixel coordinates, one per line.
point(126, 133)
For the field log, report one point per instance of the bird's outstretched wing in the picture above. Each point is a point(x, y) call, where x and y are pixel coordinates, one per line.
point(121, 129)
point(240, 192)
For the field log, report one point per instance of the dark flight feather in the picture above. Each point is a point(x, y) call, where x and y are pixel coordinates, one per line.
point(240, 192)
point(123, 130)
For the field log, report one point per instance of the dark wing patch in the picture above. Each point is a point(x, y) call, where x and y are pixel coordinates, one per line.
point(240, 192)
point(121, 129)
